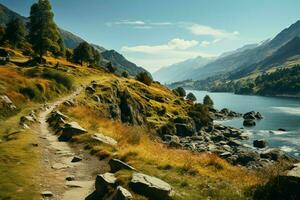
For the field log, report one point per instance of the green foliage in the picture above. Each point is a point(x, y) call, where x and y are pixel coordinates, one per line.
point(145, 78)
point(58, 77)
point(208, 101)
point(180, 91)
point(2, 33)
point(86, 53)
point(111, 68)
point(200, 114)
point(125, 74)
point(32, 92)
point(43, 32)
point(15, 32)
point(69, 54)
point(191, 97)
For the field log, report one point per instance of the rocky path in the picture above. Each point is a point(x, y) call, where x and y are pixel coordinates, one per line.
point(57, 166)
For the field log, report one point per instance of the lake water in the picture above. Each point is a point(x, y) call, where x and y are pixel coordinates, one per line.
point(278, 112)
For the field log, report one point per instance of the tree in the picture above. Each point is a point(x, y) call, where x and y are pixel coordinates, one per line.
point(2, 33)
point(43, 32)
point(180, 92)
point(145, 78)
point(208, 101)
point(15, 32)
point(111, 68)
point(83, 53)
point(125, 74)
point(191, 97)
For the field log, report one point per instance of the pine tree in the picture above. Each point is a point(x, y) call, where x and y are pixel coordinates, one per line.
point(191, 97)
point(43, 32)
point(15, 32)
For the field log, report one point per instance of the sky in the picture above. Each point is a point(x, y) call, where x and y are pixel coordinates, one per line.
point(157, 33)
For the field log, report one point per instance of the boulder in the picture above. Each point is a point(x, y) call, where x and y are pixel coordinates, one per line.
point(258, 115)
point(282, 129)
point(272, 154)
point(104, 139)
point(46, 194)
point(171, 138)
point(150, 186)
point(234, 143)
point(71, 129)
point(259, 143)
point(174, 144)
point(122, 194)
point(105, 183)
point(6, 102)
point(249, 115)
point(249, 122)
point(246, 157)
point(116, 165)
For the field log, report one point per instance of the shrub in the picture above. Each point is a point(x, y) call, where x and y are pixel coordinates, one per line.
point(125, 74)
point(30, 91)
point(208, 101)
point(145, 78)
point(111, 68)
point(59, 78)
point(180, 92)
point(191, 97)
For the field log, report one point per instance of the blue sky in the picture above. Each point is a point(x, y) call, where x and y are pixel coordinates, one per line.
point(156, 33)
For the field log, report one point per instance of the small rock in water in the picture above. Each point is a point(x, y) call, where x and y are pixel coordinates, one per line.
point(281, 129)
point(46, 194)
point(259, 143)
point(76, 159)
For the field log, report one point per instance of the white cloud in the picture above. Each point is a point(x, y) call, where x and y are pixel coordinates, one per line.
point(143, 27)
point(198, 29)
point(152, 57)
point(128, 22)
point(174, 44)
point(205, 43)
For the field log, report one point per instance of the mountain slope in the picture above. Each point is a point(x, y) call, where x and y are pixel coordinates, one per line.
point(121, 63)
point(180, 71)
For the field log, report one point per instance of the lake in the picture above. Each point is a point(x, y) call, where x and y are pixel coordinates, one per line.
point(278, 112)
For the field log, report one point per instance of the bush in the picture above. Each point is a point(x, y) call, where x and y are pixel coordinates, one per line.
point(208, 101)
point(30, 91)
point(58, 77)
point(145, 78)
point(111, 68)
point(191, 97)
point(125, 74)
point(180, 92)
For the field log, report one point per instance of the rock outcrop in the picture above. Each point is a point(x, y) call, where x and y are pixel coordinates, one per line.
point(69, 130)
point(105, 183)
point(150, 186)
point(116, 165)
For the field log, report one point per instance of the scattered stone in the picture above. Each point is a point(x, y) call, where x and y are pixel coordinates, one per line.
point(71, 129)
point(258, 115)
point(122, 194)
point(105, 183)
point(282, 129)
point(46, 194)
point(249, 116)
point(150, 186)
point(116, 165)
point(272, 154)
point(59, 166)
point(249, 122)
point(259, 143)
point(76, 159)
point(174, 144)
point(6, 102)
point(104, 139)
point(70, 178)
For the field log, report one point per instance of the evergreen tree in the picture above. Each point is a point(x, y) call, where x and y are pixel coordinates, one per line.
point(191, 97)
point(15, 32)
point(208, 101)
point(83, 53)
point(43, 32)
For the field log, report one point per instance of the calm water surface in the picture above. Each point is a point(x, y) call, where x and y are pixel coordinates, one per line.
point(278, 112)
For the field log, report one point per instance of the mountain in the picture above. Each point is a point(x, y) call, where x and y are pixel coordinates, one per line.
point(180, 71)
point(72, 41)
point(122, 64)
point(248, 57)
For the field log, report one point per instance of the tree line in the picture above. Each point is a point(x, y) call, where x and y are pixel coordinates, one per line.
point(41, 35)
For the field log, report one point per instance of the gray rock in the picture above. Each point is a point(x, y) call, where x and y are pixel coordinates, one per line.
point(6, 102)
point(105, 183)
point(272, 154)
point(71, 129)
point(70, 178)
point(249, 122)
point(104, 139)
point(259, 143)
point(116, 165)
point(234, 143)
point(150, 186)
point(122, 194)
point(249, 115)
point(46, 194)
point(258, 115)
point(174, 144)
point(295, 171)
point(76, 159)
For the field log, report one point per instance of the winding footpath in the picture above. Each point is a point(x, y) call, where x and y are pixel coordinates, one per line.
point(57, 166)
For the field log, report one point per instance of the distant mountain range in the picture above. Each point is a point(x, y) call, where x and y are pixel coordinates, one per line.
point(180, 71)
point(72, 41)
point(240, 69)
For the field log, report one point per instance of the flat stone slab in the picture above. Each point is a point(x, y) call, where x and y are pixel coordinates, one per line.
point(59, 166)
point(104, 139)
point(116, 165)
